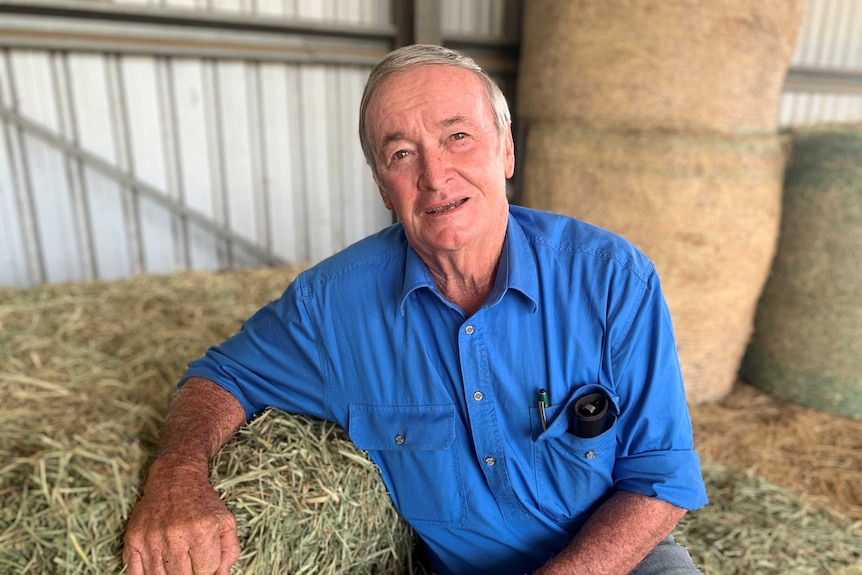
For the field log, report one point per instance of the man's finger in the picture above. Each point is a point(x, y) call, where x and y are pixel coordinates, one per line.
point(155, 566)
point(229, 547)
point(209, 556)
point(132, 561)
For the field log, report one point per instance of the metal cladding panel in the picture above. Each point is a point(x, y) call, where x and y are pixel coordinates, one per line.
point(831, 35)
point(119, 164)
point(829, 51)
point(481, 17)
point(342, 11)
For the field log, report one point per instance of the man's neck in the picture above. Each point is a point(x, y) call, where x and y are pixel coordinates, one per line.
point(466, 279)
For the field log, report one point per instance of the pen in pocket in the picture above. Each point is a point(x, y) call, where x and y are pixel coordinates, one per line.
point(544, 402)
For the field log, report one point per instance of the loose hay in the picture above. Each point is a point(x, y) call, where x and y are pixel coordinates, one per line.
point(307, 501)
point(86, 377)
point(812, 452)
point(754, 527)
point(87, 371)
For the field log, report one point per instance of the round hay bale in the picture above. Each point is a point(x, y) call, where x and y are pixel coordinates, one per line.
point(807, 346)
point(705, 209)
point(674, 64)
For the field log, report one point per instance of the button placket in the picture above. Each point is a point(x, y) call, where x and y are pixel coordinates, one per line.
point(482, 412)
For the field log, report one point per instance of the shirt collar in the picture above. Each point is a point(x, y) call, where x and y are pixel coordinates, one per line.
point(517, 270)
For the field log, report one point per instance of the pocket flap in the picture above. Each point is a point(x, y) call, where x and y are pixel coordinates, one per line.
point(402, 427)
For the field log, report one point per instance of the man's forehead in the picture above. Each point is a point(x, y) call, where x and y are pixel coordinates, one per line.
point(423, 78)
point(455, 94)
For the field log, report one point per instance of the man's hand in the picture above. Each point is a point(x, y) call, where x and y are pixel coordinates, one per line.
point(180, 526)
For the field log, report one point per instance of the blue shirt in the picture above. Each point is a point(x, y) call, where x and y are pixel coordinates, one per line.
point(446, 405)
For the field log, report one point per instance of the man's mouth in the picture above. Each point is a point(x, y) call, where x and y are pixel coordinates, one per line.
point(447, 207)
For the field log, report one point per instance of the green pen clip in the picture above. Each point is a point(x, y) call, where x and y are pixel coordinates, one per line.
point(544, 402)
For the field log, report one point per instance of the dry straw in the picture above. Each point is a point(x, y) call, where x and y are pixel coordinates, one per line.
point(704, 208)
point(86, 376)
point(814, 453)
point(807, 346)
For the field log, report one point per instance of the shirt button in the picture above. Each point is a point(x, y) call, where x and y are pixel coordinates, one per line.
point(399, 439)
point(490, 460)
point(469, 330)
point(478, 395)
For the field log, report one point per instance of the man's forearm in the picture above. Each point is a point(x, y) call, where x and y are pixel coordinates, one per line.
point(617, 537)
point(202, 418)
point(180, 522)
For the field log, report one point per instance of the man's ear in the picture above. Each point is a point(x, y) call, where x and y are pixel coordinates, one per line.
point(385, 196)
point(509, 153)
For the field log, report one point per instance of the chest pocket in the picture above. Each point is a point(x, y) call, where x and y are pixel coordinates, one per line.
point(572, 473)
point(414, 447)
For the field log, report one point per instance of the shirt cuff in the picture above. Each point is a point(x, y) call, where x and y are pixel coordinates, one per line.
point(672, 476)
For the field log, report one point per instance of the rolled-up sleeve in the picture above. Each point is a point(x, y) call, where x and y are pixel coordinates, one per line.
point(655, 445)
point(272, 361)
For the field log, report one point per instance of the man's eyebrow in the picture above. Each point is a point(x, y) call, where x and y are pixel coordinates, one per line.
point(445, 123)
point(392, 137)
point(452, 121)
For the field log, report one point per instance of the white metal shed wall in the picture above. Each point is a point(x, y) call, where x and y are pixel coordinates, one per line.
point(266, 150)
point(124, 150)
point(825, 80)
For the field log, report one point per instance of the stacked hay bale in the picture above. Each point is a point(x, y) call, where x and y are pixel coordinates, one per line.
point(807, 345)
point(657, 120)
point(87, 374)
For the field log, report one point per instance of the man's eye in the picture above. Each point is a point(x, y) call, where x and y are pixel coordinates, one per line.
point(459, 136)
point(399, 155)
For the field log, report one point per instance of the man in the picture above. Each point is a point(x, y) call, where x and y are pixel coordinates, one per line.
point(430, 341)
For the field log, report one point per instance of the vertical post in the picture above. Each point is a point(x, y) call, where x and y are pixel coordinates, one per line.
point(417, 22)
point(426, 22)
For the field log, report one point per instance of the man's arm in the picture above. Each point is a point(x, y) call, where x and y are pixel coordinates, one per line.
point(617, 537)
point(180, 524)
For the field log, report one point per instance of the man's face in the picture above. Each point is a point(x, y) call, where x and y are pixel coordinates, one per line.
point(441, 165)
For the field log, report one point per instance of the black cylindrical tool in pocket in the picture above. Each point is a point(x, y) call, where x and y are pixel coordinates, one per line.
point(591, 415)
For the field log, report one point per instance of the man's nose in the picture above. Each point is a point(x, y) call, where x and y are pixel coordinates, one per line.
point(435, 169)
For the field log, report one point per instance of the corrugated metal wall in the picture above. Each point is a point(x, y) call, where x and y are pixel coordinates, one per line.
point(115, 161)
point(150, 136)
point(825, 80)
point(194, 134)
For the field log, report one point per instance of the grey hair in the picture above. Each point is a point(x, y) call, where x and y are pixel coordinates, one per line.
point(420, 55)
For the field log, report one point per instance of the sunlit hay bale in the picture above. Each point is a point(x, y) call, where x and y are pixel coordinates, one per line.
point(690, 65)
point(807, 345)
point(754, 526)
point(704, 208)
point(307, 501)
